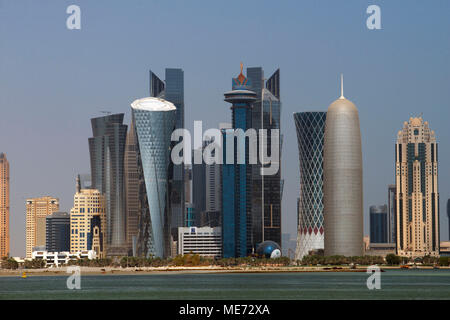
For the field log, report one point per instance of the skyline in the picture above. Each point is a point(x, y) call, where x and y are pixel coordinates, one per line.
point(62, 79)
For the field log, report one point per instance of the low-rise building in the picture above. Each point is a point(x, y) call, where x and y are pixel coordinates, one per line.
point(380, 249)
point(205, 241)
point(60, 258)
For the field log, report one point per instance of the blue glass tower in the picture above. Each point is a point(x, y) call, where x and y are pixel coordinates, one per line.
point(236, 178)
point(154, 121)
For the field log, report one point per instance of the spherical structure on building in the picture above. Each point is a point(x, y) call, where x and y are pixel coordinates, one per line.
point(268, 249)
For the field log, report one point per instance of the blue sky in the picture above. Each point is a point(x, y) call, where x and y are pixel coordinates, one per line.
point(53, 80)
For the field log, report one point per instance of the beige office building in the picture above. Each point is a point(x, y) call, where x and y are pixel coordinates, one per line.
point(88, 222)
point(4, 206)
point(37, 211)
point(417, 196)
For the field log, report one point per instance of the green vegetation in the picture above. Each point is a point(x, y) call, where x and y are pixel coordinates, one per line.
point(91, 263)
point(34, 264)
point(444, 261)
point(340, 260)
point(9, 263)
point(392, 259)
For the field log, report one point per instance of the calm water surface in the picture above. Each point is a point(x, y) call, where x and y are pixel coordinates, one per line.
point(395, 284)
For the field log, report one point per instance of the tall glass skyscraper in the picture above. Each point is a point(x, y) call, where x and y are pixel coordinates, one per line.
point(271, 184)
point(391, 213)
point(172, 90)
point(107, 151)
point(237, 178)
point(310, 128)
point(154, 121)
point(378, 224)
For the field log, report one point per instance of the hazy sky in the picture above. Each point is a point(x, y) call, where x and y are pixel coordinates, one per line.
point(53, 80)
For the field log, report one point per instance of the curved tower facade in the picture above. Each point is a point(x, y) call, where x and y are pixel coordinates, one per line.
point(107, 152)
point(310, 128)
point(154, 121)
point(343, 188)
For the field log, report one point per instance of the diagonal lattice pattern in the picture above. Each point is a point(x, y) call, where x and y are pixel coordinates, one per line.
point(310, 128)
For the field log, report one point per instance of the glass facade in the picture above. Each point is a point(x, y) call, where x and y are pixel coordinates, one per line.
point(58, 232)
point(378, 224)
point(237, 178)
point(153, 131)
point(310, 127)
point(107, 152)
point(272, 184)
point(172, 89)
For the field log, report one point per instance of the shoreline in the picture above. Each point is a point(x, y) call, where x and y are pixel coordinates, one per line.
point(95, 271)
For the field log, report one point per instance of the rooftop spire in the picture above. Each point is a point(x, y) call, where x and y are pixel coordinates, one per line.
point(342, 87)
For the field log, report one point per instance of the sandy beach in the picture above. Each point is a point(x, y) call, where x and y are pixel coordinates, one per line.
point(62, 271)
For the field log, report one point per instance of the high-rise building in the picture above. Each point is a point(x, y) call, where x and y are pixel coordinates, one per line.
point(37, 210)
point(199, 187)
point(416, 166)
point(131, 189)
point(58, 232)
point(448, 217)
point(310, 128)
point(88, 222)
point(107, 152)
point(342, 180)
point(213, 186)
point(172, 90)
point(237, 176)
point(154, 120)
point(266, 114)
point(391, 214)
point(4, 206)
point(378, 224)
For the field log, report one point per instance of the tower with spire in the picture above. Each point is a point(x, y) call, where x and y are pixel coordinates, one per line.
point(342, 179)
point(236, 177)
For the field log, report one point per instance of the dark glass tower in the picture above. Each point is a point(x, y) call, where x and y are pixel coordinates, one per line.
point(107, 151)
point(310, 127)
point(237, 178)
point(272, 184)
point(58, 232)
point(172, 90)
point(378, 224)
point(448, 215)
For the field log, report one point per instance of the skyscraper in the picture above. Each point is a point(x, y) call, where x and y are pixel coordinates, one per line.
point(342, 175)
point(267, 97)
point(57, 232)
point(237, 177)
point(172, 90)
point(37, 210)
point(88, 222)
point(107, 152)
point(416, 167)
point(4, 206)
point(154, 121)
point(131, 188)
point(378, 224)
point(448, 216)
point(391, 213)
point(310, 128)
